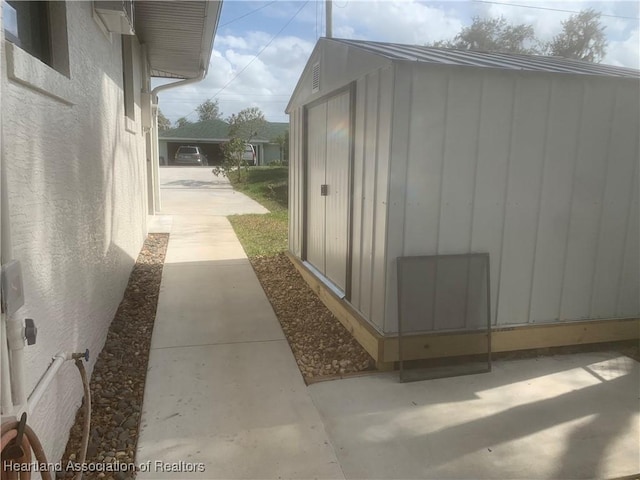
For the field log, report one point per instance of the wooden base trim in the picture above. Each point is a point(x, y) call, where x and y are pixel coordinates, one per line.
point(436, 345)
point(384, 349)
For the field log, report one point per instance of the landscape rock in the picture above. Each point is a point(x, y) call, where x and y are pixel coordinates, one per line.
point(117, 383)
point(320, 344)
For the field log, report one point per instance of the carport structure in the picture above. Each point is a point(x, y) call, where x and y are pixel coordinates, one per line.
point(209, 135)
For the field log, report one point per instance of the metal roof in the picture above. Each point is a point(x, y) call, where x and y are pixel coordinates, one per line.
point(219, 130)
point(505, 61)
point(178, 35)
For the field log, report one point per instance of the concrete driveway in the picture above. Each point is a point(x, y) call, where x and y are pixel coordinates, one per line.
point(197, 191)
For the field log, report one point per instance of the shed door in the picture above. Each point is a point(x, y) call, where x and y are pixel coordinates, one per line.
point(328, 148)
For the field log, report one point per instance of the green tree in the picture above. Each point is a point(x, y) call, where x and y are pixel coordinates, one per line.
point(494, 35)
point(181, 122)
point(283, 142)
point(582, 38)
point(208, 110)
point(243, 126)
point(163, 122)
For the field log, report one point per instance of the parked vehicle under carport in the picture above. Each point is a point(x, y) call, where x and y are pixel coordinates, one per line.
point(191, 155)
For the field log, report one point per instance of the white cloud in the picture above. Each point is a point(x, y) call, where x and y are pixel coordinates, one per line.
point(267, 82)
point(402, 22)
point(625, 53)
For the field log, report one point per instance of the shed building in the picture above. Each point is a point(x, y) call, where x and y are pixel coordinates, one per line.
point(401, 150)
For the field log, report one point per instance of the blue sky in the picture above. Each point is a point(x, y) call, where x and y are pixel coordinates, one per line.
point(240, 76)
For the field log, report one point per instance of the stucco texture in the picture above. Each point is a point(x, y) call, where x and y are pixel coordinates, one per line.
point(75, 208)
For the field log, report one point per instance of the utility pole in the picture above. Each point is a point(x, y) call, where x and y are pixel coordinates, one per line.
point(329, 5)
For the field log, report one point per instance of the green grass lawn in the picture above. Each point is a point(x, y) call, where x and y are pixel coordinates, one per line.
point(263, 235)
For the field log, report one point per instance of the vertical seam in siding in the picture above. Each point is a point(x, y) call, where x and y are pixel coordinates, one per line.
point(388, 203)
point(300, 178)
point(352, 145)
point(571, 197)
point(374, 225)
point(304, 173)
point(626, 229)
point(362, 186)
point(406, 170)
point(602, 199)
point(473, 198)
point(545, 151)
point(442, 164)
point(297, 234)
point(477, 155)
point(514, 96)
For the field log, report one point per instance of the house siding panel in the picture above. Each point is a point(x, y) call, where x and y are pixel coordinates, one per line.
point(370, 191)
point(622, 160)
point(75, 212)
point(491, 174)
point(563, 128)
point(588, 189)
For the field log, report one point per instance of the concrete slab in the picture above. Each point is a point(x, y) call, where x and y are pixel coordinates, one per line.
point(159, 223)
point(196, 190)
point(240, 410)
point(203, 238)
point(209, 303)
point(573, 416)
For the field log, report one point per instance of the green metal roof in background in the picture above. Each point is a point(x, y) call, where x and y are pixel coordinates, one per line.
point(219, 130)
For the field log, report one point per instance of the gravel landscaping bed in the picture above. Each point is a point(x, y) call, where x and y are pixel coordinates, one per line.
point(321, 345)
point(117, 382)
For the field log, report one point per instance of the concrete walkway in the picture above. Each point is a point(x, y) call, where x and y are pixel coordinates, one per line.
point(223, 395)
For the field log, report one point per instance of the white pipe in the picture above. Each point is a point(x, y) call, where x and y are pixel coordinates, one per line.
point(155, 164)
point(329, 5)
point(35, 397)
point(180, 83)
point(7, 404)
point(15, 337)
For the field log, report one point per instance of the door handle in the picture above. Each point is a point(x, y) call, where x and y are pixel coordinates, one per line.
point(324, 190)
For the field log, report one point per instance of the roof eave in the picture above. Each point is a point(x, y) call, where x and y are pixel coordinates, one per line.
point(157, 21)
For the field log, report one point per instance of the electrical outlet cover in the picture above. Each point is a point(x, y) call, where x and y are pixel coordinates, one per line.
point(12, 288)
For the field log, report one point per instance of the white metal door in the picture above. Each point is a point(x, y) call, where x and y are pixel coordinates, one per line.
point(328, 141)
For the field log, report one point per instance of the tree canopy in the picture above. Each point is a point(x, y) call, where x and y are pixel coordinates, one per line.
point(163, 122)
point(243, 126)
point(582, 37)
point(246, 123)
point(208, 110)
point(181, 122)
point(493, 35)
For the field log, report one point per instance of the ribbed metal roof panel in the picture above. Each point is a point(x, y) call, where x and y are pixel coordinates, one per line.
point(505, 61)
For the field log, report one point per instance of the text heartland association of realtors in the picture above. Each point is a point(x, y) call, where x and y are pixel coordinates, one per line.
point(149, 466)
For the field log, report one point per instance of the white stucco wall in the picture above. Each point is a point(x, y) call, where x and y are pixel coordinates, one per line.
point(75, 178)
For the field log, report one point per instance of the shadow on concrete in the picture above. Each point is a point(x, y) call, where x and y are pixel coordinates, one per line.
point(572, 417)
point(195, 184)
